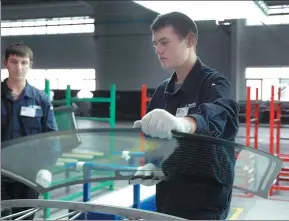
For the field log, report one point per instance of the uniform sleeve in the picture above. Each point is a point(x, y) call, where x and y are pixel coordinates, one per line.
point(49, 121)
point(218, 115)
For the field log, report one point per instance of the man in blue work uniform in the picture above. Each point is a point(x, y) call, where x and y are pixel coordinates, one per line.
point(198, 100)
point(25, 111)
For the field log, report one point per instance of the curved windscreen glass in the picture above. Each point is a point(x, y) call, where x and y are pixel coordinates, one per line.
point(92, 155)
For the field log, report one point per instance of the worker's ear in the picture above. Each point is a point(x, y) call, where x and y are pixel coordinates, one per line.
point(5, 63)
point(31, 64)
point(191, 40)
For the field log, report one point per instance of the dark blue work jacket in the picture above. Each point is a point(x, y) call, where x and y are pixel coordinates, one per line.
point(206, 96)
point(17, 122)
point(30, 114)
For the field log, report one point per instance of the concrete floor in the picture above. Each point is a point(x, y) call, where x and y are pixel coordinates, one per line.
point(242, 208)
point(260, 209)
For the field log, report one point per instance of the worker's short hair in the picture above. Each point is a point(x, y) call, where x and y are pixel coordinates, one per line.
point(181, 23)
point(19, 49)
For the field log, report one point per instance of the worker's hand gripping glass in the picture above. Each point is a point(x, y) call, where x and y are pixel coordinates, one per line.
point(159, 123)
point(146, 175)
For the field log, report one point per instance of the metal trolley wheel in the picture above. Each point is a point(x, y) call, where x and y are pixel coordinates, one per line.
point(78, 209)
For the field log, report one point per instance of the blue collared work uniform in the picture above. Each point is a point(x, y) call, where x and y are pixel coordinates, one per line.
point(17, 120)
point(207, 96)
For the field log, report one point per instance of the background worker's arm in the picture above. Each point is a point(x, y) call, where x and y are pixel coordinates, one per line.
point(49, 119)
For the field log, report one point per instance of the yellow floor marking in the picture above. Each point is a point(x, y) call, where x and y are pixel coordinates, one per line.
point(236, 214)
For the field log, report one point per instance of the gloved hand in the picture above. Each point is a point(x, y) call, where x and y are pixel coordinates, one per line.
point(44, 178)
point(159, 123)
point(145, 175)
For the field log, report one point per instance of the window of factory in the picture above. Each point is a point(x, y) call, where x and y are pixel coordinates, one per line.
point(265, 78)
point(254, 84)
point(284, 89)
point(60, 78)
point(269, 20)
point(267, 85)
point(43, 26)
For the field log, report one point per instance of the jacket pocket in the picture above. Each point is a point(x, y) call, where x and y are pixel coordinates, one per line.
point(32, 125)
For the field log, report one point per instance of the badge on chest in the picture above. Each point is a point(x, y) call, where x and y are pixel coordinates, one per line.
point(182, 112)
point(30, 111)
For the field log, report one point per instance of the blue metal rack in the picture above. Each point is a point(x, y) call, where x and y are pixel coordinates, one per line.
point(147, 204)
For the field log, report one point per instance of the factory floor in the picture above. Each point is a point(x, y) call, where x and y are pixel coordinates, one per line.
point(260, 209)
point(242, 207)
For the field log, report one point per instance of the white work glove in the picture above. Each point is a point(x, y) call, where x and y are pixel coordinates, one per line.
point(44, 178)
point(159, 123)
point(143, 174)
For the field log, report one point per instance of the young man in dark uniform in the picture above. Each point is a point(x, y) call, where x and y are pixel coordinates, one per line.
point(25, 111)
point(196, 99)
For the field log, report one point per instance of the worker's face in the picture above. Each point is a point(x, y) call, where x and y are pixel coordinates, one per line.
point(17, 67)
point(172, 50)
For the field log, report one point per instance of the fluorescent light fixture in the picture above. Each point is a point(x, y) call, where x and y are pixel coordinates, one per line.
point(207, 10)
point(270, 20)
point(279, 10)
point(45, 26)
